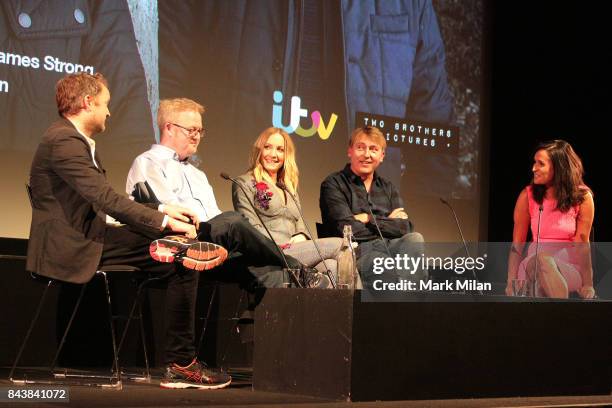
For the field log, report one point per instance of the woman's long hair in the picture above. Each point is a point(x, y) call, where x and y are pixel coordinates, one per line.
point(288, 173)
point(567, 180)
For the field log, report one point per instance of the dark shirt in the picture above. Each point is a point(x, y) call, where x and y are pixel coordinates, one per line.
point(344, 195)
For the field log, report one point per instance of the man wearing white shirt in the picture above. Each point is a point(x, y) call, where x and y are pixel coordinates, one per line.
point(165, 167)
point(173, 180)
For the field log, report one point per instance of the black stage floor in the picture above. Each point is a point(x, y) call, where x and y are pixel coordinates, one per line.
point(241, 394)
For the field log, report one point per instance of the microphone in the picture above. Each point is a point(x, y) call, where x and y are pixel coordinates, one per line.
point(376, 225)
point(535, 277)
point(282, 254)
point(280, 184)
point(462, 237)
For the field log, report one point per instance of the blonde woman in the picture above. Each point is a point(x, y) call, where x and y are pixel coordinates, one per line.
point(272, 163)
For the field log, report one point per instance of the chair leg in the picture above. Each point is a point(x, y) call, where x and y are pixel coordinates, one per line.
point(32, 324)
point(131, 315)
point(234, 327)
point(144, 344)
point(242, 295)
point(210, 304)
point(143, 338)
point(117, 372)
point(74, 312)
point(138, 304)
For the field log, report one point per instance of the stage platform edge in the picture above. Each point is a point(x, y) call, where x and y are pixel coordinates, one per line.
point(329, 344)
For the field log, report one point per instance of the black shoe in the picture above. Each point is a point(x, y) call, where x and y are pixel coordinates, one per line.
point(195, 375)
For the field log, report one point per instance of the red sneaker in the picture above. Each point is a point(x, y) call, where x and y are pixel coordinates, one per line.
point(195, 375)
point(192, 254)
point(202, 256)
point(167, 248)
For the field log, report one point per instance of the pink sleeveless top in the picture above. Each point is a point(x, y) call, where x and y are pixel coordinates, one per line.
point(557, 231)
point(556, 228)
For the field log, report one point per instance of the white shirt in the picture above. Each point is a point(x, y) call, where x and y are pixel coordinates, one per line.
point(173, 181)
point(90, 142)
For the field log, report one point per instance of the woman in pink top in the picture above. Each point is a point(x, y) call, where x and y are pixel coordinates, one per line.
point(567, 211)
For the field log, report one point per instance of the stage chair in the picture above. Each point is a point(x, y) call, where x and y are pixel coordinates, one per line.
point(598, 271)
point(236, 319)
point(112, 381)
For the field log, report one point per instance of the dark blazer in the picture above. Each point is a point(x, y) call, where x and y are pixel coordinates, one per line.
point(70, 200)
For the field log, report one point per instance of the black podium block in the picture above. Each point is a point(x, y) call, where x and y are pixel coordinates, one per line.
point(327, 343)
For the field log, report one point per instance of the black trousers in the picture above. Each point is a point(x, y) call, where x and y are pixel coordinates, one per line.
point(234, 232)
point(254, 259)
point(125, 246)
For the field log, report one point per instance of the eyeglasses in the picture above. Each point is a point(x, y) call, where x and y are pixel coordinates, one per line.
point(191, 131)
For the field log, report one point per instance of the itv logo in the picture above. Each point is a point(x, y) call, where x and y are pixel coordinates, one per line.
point(318, 125)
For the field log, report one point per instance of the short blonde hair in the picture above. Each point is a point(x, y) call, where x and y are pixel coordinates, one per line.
point(288, 173)
point(168, 107)
point(371, 132)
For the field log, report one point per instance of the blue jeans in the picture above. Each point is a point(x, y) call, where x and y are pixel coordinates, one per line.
point(411, 244)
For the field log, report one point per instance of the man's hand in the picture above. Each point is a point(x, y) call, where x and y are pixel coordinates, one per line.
point(182, 227)
point(297, 238)
point(181, 214)
point(399, 213)
point(363, 217)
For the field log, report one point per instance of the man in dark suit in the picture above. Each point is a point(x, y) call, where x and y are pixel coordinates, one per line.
point(70, 237)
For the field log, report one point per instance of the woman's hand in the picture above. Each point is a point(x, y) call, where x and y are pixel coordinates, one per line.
point(587, 292)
